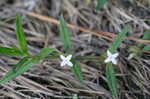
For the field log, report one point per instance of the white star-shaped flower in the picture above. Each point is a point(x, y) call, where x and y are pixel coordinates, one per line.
point(111, 57)
point(66, 60)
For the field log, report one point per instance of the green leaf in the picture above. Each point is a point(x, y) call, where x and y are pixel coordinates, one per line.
point(65, 35)
point(77, 71)
point(11, 51)
point(45, 52)
point(100, 4)
point(20, 35)
point(146, 48)
point(119, 39)
point(112, 83)
point(146, 35)
point(25, 64)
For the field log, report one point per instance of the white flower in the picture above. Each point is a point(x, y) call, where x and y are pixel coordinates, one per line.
point(66, 60)
point(111, 57)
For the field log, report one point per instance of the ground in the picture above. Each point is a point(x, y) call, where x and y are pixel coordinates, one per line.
point(47, 80)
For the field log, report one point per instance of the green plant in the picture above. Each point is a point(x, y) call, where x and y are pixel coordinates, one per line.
point(27, 60)
point(65, 37)
point(20, 36)
point(110, 73)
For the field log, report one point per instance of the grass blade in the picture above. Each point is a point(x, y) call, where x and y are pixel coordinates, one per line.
point(20, 35)
point(11, 51)
point(65, 35)
point(112, 83)
point(25, 64)
point(100, 4)
point(76, 69)
point(119, 39)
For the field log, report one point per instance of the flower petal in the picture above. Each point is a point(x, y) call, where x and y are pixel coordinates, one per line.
point(63, 63)
point(69, 63)
point(107, 60)
point(69, 57)
point(115, 55)
point(62, 57)
point(109, 53)
point(114, 61)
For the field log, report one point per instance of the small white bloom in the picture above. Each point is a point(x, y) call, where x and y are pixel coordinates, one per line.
point(111, 57)
point(66, 60)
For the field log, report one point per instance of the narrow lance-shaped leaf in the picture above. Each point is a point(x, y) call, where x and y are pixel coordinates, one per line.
point(119, 39)
point(10, 51)
point(20, 35)
point(76, 69)
point(25, 64)
point(45, 52)
point(17, 69)
point(112, 83)
point(65, 35)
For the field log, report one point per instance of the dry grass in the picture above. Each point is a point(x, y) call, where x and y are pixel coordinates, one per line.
point(48, 80)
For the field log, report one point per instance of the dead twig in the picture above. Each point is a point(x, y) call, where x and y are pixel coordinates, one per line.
point(106, 35)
